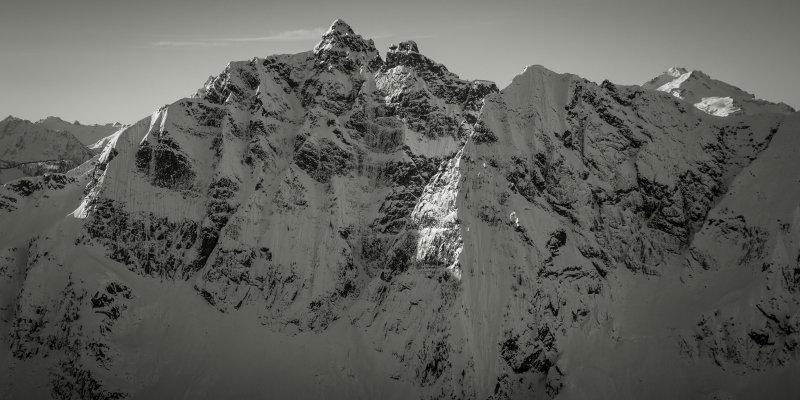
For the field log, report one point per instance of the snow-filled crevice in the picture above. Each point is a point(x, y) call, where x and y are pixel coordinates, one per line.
point(436, 218)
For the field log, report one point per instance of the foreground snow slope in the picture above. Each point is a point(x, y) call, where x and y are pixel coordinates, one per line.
point(337, 224)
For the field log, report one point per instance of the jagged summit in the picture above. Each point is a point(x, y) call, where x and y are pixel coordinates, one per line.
point(406, 53)
point(408, 46)
point(340, 27)
point(340, 41)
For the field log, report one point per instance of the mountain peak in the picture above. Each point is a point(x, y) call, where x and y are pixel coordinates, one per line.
point(340, 27)
point(709, 95)
point(340, 37)
point(407, 53)
point(328, 197)
point(676, 71)
point(538, 69)
point(340, 41)
point(408, 46)
point(51, 119)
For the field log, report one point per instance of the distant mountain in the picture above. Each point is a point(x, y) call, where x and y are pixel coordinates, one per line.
point(339, 224)
point(28, 149)
point(89, 135)
point(710, 95)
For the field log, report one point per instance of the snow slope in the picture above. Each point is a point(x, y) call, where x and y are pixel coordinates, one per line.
point(336, 224)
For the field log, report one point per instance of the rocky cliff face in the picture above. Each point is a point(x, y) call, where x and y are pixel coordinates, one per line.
point(333, 223)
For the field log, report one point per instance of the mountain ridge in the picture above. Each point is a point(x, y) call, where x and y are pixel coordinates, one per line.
point(29, 149)
point(450, 238)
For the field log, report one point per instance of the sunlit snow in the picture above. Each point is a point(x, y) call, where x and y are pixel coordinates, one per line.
point(719, 106)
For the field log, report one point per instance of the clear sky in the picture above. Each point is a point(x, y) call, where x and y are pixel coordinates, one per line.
point(101, 61)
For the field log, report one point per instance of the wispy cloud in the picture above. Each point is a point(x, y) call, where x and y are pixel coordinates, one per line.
point(170, 43)
point(285, 36)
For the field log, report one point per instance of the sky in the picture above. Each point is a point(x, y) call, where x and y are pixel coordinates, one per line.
point(100, 61)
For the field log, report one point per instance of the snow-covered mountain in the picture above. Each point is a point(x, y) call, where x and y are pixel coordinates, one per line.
point(29, 149)
point(710, 95)
point(338, 224)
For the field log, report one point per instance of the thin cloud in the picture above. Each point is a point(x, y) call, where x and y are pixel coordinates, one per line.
point(285, 36)
point(169, 43)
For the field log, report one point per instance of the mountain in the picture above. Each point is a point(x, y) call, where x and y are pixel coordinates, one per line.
point(710, 95)
point(89, 135)
point(48, 145)
point(28, 149)
point(338, 224)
